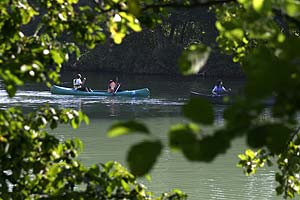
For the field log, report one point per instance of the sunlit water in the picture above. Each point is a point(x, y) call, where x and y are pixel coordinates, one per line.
point(220, 179)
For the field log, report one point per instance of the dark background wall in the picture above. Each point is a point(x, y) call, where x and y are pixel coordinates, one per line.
point(156, 51)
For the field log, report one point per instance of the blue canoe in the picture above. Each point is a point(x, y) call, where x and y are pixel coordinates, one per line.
point(144, 92)
point(226, 99)
point(214, 99)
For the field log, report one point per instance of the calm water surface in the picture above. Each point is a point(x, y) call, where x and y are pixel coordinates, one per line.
point(219, 179)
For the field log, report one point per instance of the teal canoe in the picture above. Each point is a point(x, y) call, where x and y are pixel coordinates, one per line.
point(144, 92)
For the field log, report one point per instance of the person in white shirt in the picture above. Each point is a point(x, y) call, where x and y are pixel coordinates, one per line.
point(78, 84)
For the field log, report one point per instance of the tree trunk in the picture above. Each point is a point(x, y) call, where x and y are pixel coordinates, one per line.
point(183, 33)
point(160, 37)
point(172, 31)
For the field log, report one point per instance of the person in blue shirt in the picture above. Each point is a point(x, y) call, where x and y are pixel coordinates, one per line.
point(219, 89)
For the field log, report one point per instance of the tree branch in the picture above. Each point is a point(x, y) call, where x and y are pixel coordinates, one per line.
point(280, 13)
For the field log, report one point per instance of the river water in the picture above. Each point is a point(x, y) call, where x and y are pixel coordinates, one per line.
point(220, 179)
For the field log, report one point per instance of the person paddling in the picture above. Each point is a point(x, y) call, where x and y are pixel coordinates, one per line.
point(79, 84)
point(113, 86)
point(219, 89)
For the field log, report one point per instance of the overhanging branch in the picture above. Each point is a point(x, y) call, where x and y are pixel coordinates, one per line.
point(195, 3)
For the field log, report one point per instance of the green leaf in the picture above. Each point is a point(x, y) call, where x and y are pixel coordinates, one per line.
point(235, 34)
point(186, 139)
point(132, 22)
point(242, 157)
point(135, 27)
point(143, 156)
point(125, 186)
point(273, 136)
point(220, 143)
point(11, 89)
point(56, 56)
point(199, 110)
point(256, 137)
point(262, 6)
point(134, 8)
point(258, 4)
point(148, 177)
point(292, 8)
point(74, 123)
point(193, 59)
point(258, 65)
point(85, 119)
point(250, 153)
point(123, 128)
point(181, 135)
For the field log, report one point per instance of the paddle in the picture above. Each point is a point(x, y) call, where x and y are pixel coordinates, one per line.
point(117, 89)
point(66, 82)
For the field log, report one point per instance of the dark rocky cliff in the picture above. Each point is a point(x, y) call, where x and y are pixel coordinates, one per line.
point(156, 51)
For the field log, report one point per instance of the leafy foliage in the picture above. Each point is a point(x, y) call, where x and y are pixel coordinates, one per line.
point(259, 35)
point(142, 156)
point(250, 161)
point(36, 38)
point(199, 110)
point(262, 35)
point(194, 144)
point(37, 165)
point(122, 128)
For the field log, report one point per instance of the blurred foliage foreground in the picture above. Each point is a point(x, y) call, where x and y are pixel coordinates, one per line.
point(262, 35)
